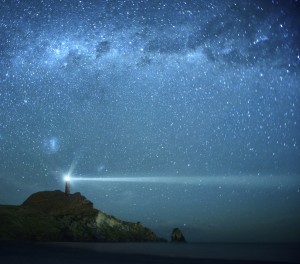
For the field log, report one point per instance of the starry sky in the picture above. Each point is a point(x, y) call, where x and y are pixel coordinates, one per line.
point(200, 97)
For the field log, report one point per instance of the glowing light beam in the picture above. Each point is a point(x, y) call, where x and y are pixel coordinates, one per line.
point(239, 180)
point(67, 178)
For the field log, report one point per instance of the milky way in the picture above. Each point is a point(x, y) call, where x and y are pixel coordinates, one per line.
point(157, 89)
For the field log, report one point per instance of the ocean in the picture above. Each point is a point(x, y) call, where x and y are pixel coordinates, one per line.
point(74, 252)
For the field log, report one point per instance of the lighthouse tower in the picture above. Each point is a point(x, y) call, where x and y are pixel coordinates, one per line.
point(67, 186)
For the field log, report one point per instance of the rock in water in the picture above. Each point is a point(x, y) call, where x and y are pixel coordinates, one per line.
point(55, 216)
point(177, 236)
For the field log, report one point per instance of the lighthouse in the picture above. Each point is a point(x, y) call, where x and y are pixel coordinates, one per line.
point(67, 186)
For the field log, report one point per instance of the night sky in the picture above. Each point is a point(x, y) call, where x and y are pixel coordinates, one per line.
point(196, 100)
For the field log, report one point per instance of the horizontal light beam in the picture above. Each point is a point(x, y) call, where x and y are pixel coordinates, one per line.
point(239, 180)
point(135, 179)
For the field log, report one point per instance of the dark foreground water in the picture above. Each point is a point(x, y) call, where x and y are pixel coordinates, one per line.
point(14, 252)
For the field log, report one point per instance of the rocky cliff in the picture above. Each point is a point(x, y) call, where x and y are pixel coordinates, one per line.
point(56, 216)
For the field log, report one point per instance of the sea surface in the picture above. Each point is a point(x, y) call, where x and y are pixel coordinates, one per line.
point(234, 251)
point(74, 252)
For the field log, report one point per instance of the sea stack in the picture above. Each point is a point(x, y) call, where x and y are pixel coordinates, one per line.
point(177, 236)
